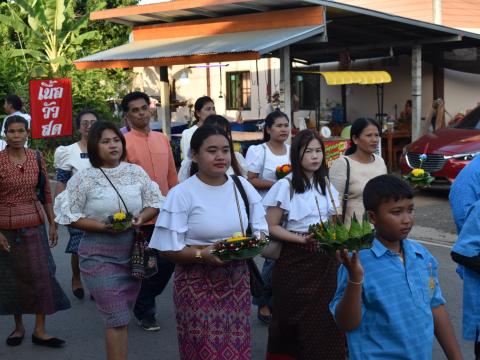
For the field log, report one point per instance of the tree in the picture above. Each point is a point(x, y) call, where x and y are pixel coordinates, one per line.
point(49, 31)
point(44, 37)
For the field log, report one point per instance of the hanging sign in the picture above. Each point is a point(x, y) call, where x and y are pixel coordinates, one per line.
point(51, 108)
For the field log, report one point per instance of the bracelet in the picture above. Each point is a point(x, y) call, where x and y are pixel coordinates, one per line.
point(355, 282)
point(198, 255)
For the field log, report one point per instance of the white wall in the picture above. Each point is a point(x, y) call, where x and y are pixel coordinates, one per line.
point(461, 91)
point(460, 88)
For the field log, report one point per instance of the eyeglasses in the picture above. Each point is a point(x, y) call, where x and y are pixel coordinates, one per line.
point(86, 123)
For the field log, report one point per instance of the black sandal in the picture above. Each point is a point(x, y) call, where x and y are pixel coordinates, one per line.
point(15, 340)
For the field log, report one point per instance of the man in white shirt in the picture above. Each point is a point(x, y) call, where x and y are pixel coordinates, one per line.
point(13, 106)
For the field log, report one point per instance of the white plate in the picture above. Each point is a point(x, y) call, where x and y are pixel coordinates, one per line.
point(325, 132)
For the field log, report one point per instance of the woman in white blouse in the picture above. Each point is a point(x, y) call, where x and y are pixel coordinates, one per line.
point(67, 161)
point(304, 277)
point(238, 165)
point(203, 107)
point(262, 161)
point(212, 298)
point(92, 195)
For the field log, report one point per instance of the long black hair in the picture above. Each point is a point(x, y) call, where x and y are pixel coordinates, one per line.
point(300, 181)
point(270, 120)
point(199, 136)
point(199, 104)
point(221, 122)
point(357, 127)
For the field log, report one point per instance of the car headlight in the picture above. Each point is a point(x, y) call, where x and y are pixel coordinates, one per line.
point(464, 157)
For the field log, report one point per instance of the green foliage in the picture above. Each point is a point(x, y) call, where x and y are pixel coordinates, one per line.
point(42, 38)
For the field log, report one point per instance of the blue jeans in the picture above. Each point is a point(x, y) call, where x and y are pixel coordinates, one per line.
point(266, 298)
point(153, 286)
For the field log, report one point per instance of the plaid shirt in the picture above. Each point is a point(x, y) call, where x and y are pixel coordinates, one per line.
point(397, 302)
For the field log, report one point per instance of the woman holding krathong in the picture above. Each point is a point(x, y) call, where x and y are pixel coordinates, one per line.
point(262, 163)
point(350, 173)
point(27, 271)
point(212, 298)
point(107, 201)
point(304, 277)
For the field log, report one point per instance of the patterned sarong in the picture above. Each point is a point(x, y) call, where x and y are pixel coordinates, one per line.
point(27, 275)
point(213, 311)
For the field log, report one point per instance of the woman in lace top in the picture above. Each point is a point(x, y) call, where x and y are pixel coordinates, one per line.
point(91, 196)
point(67, 161)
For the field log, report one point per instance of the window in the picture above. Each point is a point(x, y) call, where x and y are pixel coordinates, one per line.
point(238, 90)
point(306, 91)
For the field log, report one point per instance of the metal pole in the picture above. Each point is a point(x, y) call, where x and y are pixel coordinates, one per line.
point(285, 83)
point(416, 91)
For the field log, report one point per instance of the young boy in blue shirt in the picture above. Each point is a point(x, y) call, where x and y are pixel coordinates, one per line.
point(388, 298)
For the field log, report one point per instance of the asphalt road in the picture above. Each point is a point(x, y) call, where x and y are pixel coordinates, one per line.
point(83, 330)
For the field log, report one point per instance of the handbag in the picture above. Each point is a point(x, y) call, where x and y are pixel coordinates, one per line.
point(143, 260)
point(274, 247)
point(257, 285)
point(40, 188)
point(345, 191)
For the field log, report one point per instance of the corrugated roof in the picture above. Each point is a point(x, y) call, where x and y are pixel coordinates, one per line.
point(260, 42)
point(182, 10)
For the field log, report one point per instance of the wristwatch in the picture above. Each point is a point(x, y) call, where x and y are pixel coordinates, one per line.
point(198, 255)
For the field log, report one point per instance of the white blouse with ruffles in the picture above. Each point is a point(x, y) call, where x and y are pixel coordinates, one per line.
point(90, 195)
point(69, 158)
point(195, 213)
point(261, 160)
point(302, 209)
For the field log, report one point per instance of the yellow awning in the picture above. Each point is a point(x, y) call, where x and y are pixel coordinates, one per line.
point(353, 77)
point(356, 77)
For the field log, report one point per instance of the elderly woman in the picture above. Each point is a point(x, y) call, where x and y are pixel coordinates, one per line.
point(27, 271)
point(110, 186)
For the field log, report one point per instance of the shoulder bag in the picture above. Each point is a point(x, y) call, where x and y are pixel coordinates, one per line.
point(274, 247)
point(143, 260)
point(257, 285)
point(40, 188)
point(345, 191)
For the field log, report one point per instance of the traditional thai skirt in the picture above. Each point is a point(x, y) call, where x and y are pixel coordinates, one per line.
point(75, 236)
point(27, 274)
point(106, 271)
point(304, 281)
point(213, 311)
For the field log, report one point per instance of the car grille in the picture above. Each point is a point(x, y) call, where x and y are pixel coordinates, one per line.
point(434, 162)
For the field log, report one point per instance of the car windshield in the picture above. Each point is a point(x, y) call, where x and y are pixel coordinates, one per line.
point(471, 120)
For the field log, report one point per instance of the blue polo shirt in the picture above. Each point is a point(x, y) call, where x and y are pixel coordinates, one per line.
point(397, 301)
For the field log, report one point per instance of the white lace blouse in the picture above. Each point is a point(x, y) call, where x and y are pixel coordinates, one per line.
point(195, 213)
point(301, 209)
point(90, 195)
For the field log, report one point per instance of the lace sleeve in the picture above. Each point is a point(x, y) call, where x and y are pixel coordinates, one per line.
point(151, 195)
point(70, 204)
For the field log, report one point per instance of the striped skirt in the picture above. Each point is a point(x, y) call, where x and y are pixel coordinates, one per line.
point(27, 275)
point(106, 271)
point(213, 311)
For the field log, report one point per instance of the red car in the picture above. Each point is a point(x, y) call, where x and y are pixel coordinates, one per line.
point(449, 150)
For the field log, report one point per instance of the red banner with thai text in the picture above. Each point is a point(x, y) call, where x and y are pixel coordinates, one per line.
point(51, 107)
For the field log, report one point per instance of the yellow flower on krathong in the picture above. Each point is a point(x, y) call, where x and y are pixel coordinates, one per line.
point(119, 216)
point(418, 172)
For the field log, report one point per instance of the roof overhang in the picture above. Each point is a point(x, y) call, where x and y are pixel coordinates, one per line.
point(248, 45)
point(184, 10)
